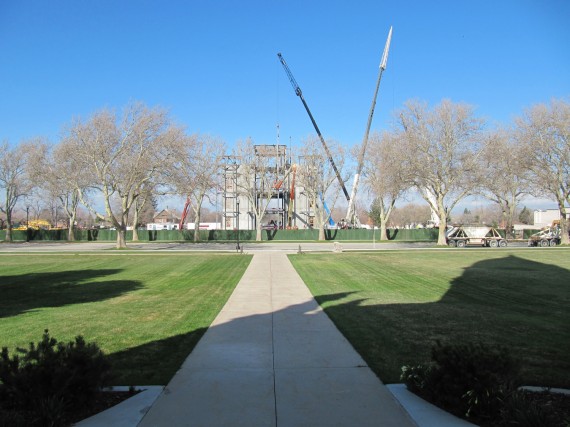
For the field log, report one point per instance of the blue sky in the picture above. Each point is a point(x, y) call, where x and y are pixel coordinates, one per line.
point(214, 64)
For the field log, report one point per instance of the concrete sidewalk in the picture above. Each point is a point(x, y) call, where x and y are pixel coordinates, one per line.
point(273, 358)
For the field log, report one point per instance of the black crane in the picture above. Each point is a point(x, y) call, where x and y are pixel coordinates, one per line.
point(299, 93)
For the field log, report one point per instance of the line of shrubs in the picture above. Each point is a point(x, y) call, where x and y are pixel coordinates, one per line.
point(482, 384)
point(47, 383)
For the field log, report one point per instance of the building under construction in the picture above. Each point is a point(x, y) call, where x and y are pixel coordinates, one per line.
point(272, 188)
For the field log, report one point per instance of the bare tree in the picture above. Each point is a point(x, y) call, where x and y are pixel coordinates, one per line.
point(318, 178)
point(208, 215)
point(440, 150)
point(61, 181)
point(15, 178)
point(383, 177)
point(503, 175)
point(122, 155)
point(145, 200)
point(490, 214)
point(195, 171)
point(544, 134)
point(409, 214)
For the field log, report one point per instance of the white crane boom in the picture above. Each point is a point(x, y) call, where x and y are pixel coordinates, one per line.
point(351, 216)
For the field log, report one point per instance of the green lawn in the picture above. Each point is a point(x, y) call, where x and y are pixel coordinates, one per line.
point(394, 305)
point(147, 311)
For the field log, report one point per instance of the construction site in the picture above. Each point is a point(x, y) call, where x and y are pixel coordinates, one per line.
point(283, 202)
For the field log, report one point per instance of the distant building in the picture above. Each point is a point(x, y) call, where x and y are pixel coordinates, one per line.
point(204, 226)
point(543, 218)
point(166, 216)
point(162, 226)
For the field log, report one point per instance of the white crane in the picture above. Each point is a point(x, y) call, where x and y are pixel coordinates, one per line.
point(351, 216)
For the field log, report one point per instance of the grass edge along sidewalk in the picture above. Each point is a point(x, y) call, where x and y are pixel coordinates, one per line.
point(145, 312)
point(393, 306)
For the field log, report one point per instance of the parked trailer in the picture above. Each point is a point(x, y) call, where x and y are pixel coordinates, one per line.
point(548, 236)
point(475, 235)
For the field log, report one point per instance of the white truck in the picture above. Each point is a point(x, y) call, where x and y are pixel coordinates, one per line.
point(462, 236)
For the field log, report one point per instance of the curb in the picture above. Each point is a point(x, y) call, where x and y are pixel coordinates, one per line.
point(424, 413)
point(129, 412)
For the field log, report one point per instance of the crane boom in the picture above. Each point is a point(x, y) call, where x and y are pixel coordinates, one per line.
point(351, 212)
point(184, 213)
point(299, 93)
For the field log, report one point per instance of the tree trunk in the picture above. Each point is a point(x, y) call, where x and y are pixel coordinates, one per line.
point(258, 230)
point(70, 207)
point(135, 222)
point(71, 228)
point(442, 213)
point(197, 227)
point(384, 215)
point(121, 238)
point(509, 229)
point(441, 240)
point(321, 233)
point(9, 225)
point(383, 231)
point(564, 238)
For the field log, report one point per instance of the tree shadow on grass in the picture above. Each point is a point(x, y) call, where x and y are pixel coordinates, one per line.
point(497, 301)
point(153, 363)
point(510, 301)
point(259, 367)
point(156, 362)
point(27, 292)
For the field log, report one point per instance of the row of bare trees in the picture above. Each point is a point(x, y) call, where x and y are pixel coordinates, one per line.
point(446, 154)
point(124, 161)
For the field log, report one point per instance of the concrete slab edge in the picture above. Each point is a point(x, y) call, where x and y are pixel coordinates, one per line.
point(129, 412)
point(543, 389)
point(423, 413)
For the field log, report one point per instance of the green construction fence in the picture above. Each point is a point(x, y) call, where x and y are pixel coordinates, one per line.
point(105, 235)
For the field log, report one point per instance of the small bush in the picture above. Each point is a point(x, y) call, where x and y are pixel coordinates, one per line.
point(417, 379)
point(520, 409)
point(470, 380)
point(51, 378)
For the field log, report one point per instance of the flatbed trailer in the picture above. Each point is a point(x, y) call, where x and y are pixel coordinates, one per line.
point(462, 236)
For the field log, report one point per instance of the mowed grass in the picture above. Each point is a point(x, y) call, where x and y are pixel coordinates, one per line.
point(146, 311)
point(393, 306)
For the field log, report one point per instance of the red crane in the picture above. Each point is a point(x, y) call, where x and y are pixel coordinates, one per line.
point(184, 213)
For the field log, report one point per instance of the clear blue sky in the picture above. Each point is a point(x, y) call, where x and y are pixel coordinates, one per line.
point(213, 64)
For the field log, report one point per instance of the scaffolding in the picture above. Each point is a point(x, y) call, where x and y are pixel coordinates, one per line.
point(230, 172)
point(274, 161)
point(277, 185)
